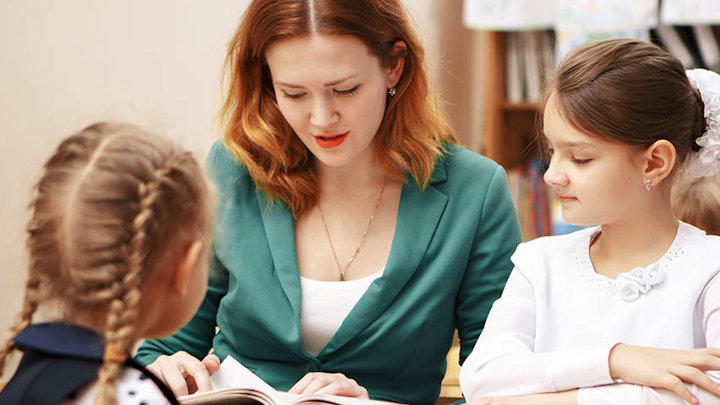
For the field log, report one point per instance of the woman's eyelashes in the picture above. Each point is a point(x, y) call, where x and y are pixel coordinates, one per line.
point(339, 92)
point(347, 92)
point(580, 162)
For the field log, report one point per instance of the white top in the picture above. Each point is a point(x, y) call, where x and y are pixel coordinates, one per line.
point(133, 389)
point(325, 305)
point(556, 321)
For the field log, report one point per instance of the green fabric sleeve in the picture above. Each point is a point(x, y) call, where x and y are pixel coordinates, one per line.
point(489, 265)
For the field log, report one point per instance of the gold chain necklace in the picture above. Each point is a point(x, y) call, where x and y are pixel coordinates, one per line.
point(342, 269)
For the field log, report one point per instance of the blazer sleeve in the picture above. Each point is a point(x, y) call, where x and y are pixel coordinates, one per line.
point(489, 265)
point(196, 336)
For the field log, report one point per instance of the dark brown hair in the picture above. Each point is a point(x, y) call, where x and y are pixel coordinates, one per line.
point(112, 203)
point(411, 135)
point(628, 91)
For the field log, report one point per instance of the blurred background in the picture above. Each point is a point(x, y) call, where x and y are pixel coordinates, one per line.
point(66, 64)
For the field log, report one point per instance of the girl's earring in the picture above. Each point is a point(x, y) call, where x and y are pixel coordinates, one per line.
point(647, 184)
point(392, 91)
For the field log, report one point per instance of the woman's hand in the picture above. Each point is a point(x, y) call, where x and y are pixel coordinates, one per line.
point(666, 368)
point(552, 398)
point(332, 384)
point(185, 374)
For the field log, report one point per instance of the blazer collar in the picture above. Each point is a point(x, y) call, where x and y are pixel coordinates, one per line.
point(418, 215)
point(61, 339)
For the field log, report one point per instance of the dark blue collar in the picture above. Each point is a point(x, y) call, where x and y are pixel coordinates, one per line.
point(62, 339)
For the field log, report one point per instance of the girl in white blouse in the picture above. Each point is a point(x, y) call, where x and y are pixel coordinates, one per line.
point(626, 311)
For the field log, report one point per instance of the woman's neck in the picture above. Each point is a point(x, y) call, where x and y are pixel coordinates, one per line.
point(353, 179)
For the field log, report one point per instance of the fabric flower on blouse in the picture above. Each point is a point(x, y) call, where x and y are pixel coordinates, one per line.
point(639, 281)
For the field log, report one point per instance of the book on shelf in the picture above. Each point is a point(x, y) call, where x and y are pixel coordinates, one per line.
point(708, 46)
point(529, 56)
point(671, 39)
point(530, 47)
point(234, 384)
point(515, 74)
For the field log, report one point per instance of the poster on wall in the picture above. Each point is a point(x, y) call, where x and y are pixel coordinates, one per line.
point(509, 15)
point(582, 21)
point(690, 12)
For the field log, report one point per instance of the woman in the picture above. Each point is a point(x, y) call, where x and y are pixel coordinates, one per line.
point(353, 237)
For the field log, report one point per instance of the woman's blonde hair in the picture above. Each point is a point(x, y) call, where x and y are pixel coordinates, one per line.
point(112, 203)
point(410, 138)
point(697, 202)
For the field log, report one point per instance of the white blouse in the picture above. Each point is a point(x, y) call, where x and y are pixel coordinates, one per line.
point(325, 305)
point(557, 319)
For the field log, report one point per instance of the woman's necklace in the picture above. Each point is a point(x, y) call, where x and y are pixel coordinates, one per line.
point(342, 269)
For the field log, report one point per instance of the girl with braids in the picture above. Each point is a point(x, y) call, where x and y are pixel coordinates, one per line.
point(626, 311)
point(354, 237)
point(117, 240)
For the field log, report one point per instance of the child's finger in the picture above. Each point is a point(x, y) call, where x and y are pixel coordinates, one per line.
point(697, 377)
point(212, 363)
point(199, 373)
point(677, 386)
point(174, 379)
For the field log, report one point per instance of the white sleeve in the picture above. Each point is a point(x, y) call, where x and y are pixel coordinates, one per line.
point(708, 307)
point(614, 394)
point(504, 363)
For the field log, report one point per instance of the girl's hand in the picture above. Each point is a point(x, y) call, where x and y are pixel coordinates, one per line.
point(666, 368)
point(332, 384)
point(552, 398)
point(185, 374)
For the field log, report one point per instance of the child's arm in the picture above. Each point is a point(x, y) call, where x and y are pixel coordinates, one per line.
point(503, 362)
point(668, 368)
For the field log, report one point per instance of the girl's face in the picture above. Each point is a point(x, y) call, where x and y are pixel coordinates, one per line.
point(332, 92)
point(597, 181)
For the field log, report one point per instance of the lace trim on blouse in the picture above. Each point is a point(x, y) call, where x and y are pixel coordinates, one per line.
point(629, 285)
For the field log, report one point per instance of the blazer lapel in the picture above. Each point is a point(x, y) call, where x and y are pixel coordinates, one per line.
point(280, 231)
point(418, 215)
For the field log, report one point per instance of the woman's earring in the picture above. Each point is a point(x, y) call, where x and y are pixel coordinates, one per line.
point(392, 91)
point(647, 184)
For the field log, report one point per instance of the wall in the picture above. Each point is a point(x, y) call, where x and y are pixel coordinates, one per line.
point(65, 64)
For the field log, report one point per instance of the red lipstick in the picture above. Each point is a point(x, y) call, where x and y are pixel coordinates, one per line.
point(328, 141)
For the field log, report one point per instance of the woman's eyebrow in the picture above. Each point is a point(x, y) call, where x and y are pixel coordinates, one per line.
point(330, 83)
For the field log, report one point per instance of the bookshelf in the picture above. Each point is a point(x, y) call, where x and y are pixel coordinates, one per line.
point(509, 127)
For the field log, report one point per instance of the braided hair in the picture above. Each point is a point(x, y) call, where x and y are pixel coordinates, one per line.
point(110, 203)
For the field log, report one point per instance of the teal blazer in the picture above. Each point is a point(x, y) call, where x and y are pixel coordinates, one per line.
point(449, 260)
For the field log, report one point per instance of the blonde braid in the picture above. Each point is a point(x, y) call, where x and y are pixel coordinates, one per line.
point(111, 201)
point(120, 327)
point(23, 319)
point(32, 295)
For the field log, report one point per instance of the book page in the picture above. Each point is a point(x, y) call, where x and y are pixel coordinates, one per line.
point(336, 400)
point(232, 374)
point(233, 383)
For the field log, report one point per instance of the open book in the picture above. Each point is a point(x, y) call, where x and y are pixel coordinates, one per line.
point(233, 384)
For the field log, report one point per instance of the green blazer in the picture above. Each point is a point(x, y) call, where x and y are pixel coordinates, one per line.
point(449, 260)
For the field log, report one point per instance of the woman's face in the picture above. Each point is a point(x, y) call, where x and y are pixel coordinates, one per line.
point(332, 91)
